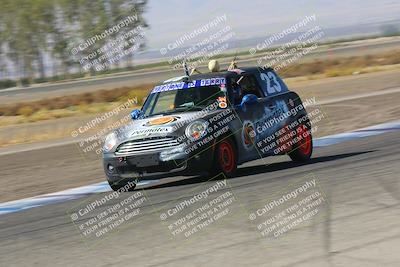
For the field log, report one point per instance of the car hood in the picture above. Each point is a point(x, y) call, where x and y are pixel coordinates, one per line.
point(162, 125)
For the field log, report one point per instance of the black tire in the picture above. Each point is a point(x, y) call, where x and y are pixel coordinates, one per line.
point(302, 150)
point(225, 158)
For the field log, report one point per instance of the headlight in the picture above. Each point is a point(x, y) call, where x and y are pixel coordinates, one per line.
point(196, 130)
point(110, 142)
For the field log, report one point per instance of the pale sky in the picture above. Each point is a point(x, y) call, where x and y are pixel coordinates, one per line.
point(169, 19)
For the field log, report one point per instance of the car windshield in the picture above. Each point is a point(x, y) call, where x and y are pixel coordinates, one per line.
point(195, 98)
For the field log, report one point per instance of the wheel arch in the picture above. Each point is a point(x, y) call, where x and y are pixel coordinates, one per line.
point(228, 134)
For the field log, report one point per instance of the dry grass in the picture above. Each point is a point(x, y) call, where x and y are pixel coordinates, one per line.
point(78, 101)
point(341, 66)
point(61, 107)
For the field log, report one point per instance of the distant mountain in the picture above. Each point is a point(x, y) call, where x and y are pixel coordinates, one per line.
point(366, 29)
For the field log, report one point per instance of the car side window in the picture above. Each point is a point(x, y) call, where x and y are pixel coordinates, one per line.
point(249, 85)
point(246, 84)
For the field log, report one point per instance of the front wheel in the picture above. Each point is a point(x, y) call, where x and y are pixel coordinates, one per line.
point(303, 148)
point(225, 158)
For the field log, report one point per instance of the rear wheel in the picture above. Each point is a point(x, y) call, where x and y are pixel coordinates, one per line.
point(225, 158)
point(303, 148)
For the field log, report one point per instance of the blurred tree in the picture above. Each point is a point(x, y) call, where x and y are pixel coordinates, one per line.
point(97, 16)
point(25, 26)
point(390, 30)
point(31, 30)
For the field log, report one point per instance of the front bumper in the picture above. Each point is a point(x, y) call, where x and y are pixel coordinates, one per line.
point(160, 164)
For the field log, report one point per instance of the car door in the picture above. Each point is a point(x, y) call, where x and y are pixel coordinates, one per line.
point(276, 116)
point(249, 115)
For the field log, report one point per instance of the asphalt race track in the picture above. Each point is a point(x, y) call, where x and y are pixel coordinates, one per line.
point(355, 224)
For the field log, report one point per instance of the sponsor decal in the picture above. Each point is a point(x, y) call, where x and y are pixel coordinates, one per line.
point(222, 102)
point(272, 117)
point(248, 134)
point(161, 121)
point(150, 131)
point(185, 85)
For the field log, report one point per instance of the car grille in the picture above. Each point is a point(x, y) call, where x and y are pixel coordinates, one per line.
point(147, 145)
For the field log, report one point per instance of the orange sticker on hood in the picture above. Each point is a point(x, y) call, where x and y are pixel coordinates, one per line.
point(161, 121)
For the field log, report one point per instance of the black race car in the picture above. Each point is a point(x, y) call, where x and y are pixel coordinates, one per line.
point(211, 123)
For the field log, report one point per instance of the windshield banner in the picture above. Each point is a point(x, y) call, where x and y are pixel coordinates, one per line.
point(190, 84)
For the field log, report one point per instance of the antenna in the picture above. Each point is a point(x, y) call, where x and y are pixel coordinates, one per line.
point(233, 64)
point(185, 67)
point(194, 70)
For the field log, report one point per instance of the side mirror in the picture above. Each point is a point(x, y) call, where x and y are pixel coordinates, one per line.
point(135, 114)
point(249, 99)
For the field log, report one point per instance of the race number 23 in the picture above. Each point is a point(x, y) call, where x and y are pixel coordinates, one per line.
point(273, 85)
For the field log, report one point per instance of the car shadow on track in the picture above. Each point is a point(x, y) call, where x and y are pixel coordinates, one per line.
point(259, 169)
